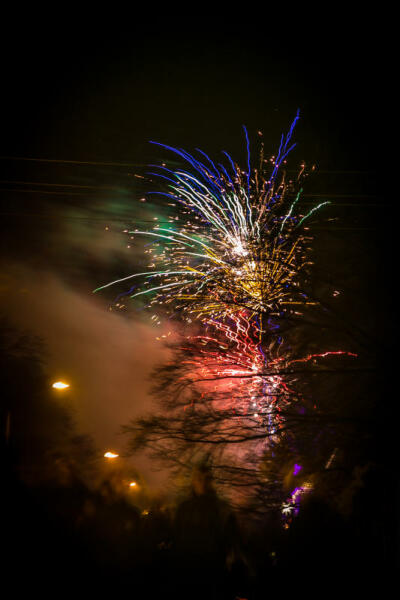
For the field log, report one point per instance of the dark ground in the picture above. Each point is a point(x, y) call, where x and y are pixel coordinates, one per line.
point(66, 538)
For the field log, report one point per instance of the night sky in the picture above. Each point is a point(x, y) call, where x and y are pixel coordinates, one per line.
point(88, 101)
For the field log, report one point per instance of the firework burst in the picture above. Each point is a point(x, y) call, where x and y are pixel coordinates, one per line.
point(242, 246)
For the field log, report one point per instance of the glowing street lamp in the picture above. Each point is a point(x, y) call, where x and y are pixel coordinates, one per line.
point(60, 385)
point(110, 455)
point(132, 484)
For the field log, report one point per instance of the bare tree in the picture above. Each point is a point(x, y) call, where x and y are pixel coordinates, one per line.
point(253, 425)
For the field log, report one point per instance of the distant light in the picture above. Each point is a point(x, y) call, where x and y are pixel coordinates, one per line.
point(111, 455)
point(133, 484)
point(60, 385)
point(297, 469)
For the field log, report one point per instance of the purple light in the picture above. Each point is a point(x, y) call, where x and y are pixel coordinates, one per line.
point(293, 502)
point(297, 469)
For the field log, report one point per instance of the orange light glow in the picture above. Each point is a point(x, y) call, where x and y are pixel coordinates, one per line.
point(60, 385)
point(110, 455)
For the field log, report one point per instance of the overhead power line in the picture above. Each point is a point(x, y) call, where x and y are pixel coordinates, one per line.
point(111, 188)
point(132, 164)
point(105, 220)
point(73, 162)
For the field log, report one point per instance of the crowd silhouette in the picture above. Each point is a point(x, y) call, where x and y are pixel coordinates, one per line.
point(60, 532)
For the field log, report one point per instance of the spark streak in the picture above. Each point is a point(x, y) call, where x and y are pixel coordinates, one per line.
point(253, 245)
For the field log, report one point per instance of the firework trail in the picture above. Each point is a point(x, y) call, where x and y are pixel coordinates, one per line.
point(234, 371)
point(242, 245)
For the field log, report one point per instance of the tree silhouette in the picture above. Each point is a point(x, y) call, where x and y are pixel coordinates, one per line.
point(35, 428)
point(255, 424)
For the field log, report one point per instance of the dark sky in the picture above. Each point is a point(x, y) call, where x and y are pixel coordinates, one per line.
point(91, 94)
point(88, 91)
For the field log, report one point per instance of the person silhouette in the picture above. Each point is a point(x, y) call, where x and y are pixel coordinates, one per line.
point(205, 535)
